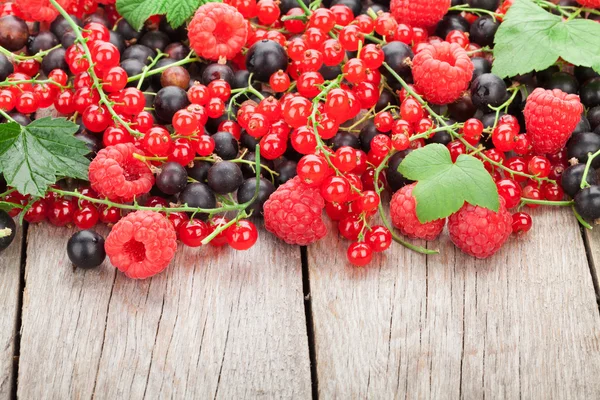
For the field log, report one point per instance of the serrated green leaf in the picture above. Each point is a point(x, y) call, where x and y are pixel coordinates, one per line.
point(178, 11)
point(443, 186)
point(136, 12)
point(32, 157)
point(530, 38)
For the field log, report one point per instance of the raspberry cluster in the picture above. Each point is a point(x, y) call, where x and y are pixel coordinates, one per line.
point(284, 110)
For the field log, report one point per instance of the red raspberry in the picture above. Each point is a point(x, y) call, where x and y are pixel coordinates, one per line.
point(293, 213)
point(40, 10)
point(217, 30)
point(404, 216)
point(442, 71)
point(419, 13)
point(116, 174)
point(478, 231)
point(589, 3)
point(142, 244)
point(550, 118)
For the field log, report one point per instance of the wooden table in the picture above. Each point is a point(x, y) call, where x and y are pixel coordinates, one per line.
point(283, 322)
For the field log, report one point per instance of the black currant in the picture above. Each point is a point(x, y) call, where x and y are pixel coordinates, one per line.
point(354, 5)
point(8, 229)
point(155, 79)
point(168, 101)
point(398, 56)
point(490, 5)
point(240, 80)
point(451, 22)
point(226, 146)
point(20, 119)
point(463, 108)
point(134, 67)
point(13, 33)
point(177, 51)
point(246, 192)
point(60, 25)
point(156, 40)
point(216, 71)
point(483, 30)
point(584, 74)
point(43, 41)
point(581, 145)
point(86, 249)
point(488, 90)
point(55, 60)
point(563, 81)
point(198, 195)
point(199, 171)
point(91, 141)
point(394, 178)
point(97, 18)
point(172, 178)
point(117, 40)
point(582, 126)
point(248, 141)
point(386, 98)
point(545, 75)
point(590, 93)
point(176, 34)
point(286, 170)
point(139, 52)
point(330, 72)
point(287, 5)
point(570, 179)
point(587, 203)
point(441, 137)
point(127, 30)
point(593, 116)
point(367, 133)
point(345, 139)
point(264, 58)
point(225, 177)
point(6, 67)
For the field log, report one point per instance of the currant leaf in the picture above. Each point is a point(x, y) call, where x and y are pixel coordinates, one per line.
point(178, 11)
point(136, 12)
point(33, 157)
point(443, 186)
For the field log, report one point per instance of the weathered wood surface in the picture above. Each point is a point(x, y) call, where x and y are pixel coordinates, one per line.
point(217, 323)
point(523, 324)
point(10, 272)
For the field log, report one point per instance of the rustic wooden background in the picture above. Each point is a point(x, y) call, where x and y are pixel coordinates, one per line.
point(284, 322)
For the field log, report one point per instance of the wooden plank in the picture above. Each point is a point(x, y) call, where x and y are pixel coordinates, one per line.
point(217, 323)
point(523, 323)
point(592, 246)
point(10, 273)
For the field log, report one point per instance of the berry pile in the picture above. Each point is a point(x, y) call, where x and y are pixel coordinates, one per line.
point(290, 112)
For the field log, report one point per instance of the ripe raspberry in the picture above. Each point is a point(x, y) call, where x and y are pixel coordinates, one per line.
point(40, 10)
point(142, 244)
point(589, 3)
point(217, 30)
point(293, 213)
point(116, 174)
point(442, 71)
point(404, 216)
point(478, 231)
point(419, 13)
point(550, 118)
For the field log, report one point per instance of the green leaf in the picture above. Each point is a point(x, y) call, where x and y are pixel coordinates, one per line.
point(178, 11)
point(6, 206)
point(136, 12)
point(444, 186)
point(32, 157)
point(530, 38)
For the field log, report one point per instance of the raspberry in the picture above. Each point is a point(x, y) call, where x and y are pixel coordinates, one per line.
point(217, 30)
point(550, 118)
point(589, 3)
point(116, 174)
point(40, 10)
point(442, 71)
point(142, 244)
point(478, 231)
point(419, 13)
point(404, 216)
point(293, 213)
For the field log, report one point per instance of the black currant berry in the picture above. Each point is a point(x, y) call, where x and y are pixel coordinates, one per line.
point(463, 108)
point(55, 60)
point(156, 40)
point(98, 18)
point(582, 144)
point(394, 178)
point(582, 126)
point(584, 74)
point(175, 34)
point(367, 133)
point(441, 137)
point(13, 33)
point(168, 101)
point(139, 52)
point(545, 75)
point(483, 30)
point(199, 171)
point(43, 41)
point(172, 178)
point(248, 169)
point(563, 81)
point(265, 58)
point(134, 67)
point(8, 229)
point(398, 56)
point(490, 5)
point(248, 141)
point(127, 30)
point(60, 25)
point(451, 22)
point(86, 249)
point(570, 179)
point(20, 119)
point(155, 79)
point(226, 146)
point(345, 139)
point(6, 67)
point(590, 93)
point(240, 80)
point(225, 177)
point(198, 195)
point(117, 40)
point(286, 170)
point(91, 141)
point(216, 71)
point(246, 192)
point(330, 72)
point(354, 5)
point(287, 5)
point(593, 116)
point(386, 98)
point(177, 51)
point(587, 203)
point(488, 90)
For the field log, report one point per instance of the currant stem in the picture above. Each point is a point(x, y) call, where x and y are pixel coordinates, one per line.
point(147, 68)
point(33, 81)
point(37, 57)
point(6, 116)
point(582, 221)
point(190, 58)
point(588, 164)
point(565, 203)
point(477, 11)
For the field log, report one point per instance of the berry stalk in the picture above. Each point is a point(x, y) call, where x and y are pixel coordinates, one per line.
point(190, 58)
point(37, 57)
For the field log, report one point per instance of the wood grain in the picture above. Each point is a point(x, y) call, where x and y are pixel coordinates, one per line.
point(217, 323)
point(10, 273)
point(523, 323)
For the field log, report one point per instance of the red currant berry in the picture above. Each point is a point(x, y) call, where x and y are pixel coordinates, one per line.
point(86, 217)
point(242, 235)
point(193, 232)
point(359, 254)
point(510, 191)
point(521, 223)
point(379, 238)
